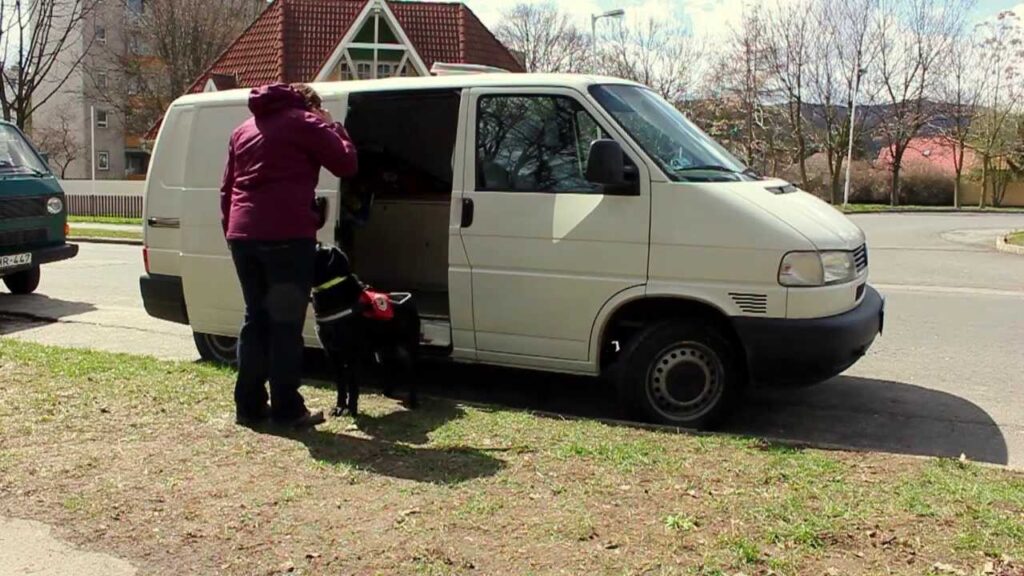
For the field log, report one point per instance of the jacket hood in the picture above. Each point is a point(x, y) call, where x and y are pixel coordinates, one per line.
point(272, 98)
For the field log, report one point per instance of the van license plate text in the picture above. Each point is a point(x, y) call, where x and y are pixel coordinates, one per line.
point(15, 261)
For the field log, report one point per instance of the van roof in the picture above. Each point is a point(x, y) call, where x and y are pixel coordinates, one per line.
point(328, 89)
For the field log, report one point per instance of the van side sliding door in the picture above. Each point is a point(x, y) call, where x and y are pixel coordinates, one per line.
point(546, 248)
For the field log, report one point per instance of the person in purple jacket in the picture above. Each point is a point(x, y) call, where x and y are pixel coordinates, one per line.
point(267, 208)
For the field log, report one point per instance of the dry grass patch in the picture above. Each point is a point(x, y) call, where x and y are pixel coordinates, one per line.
point(141, 458)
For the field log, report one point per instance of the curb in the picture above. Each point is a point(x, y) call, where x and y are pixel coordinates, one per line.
point(1003, 246)
point(97, 240)
point(936, 211)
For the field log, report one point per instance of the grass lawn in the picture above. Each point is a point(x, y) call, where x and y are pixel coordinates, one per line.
point(141, 458)
point(86, 232)
point(1016, 238)
point(104, 220)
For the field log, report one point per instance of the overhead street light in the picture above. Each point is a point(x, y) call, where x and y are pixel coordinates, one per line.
point(617, 13)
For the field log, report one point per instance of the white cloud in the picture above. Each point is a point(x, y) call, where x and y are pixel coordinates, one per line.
point(713, 19)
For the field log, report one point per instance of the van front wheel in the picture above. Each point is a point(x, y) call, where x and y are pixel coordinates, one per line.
point(217, 349)
point(681, 374)
point(24, 282)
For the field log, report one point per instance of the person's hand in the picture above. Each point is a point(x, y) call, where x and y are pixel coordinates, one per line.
point(324, 115)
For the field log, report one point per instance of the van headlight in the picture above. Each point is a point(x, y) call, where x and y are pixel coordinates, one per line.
point(54, 205)
point(817, 269)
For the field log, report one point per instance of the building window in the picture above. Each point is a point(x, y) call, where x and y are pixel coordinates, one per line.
point(101, 80)
point(101, 119)
point(376, 51)
point(103, 161)
point(101, 34)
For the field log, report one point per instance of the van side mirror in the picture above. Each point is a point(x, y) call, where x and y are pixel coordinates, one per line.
point(606, 167)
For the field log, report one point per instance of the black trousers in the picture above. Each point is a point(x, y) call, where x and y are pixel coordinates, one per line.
point(276, 279)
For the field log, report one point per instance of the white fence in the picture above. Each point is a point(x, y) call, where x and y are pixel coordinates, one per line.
point(122, 198)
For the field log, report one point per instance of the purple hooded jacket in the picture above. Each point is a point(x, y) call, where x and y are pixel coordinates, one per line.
point(274, 162)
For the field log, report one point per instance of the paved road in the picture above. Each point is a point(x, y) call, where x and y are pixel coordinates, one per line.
point(945, 379)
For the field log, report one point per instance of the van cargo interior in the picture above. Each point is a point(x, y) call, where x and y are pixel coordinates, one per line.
point(406, 142)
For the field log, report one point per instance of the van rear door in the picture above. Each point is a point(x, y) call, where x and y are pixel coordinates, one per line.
point(165, 184)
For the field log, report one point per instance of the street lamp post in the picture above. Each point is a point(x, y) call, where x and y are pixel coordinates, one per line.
point(617, 13)
point(853, 111)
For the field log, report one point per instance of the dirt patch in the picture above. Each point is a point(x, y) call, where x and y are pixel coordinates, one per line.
point(141, 458)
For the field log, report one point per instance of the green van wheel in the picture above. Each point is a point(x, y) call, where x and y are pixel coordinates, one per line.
point(24, 282)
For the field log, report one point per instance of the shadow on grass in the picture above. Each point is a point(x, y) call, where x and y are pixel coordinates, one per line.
point(847, 412)
point(387, 455)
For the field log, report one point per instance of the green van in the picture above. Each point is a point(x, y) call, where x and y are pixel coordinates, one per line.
point(33, 218)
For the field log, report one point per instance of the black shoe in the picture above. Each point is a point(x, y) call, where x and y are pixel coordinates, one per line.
point(303, 421)
point(252, 417)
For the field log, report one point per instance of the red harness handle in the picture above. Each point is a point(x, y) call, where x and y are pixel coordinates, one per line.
point(377, 305)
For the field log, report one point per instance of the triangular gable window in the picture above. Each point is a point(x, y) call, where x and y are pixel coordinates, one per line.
point(375, 51)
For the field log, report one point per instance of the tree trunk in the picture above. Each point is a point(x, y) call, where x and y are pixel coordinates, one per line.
point(894, 190)
point(835, 179)
point(801, 150)
point(956, 190)
point(984, 181)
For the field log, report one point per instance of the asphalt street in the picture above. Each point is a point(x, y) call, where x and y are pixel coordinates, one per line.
point(945, 379)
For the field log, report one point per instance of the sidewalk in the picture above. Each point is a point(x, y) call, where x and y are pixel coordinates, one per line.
point(110, 227)
point(30, 548)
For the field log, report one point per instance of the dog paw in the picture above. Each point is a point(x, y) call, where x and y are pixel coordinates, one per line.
point(338, 412)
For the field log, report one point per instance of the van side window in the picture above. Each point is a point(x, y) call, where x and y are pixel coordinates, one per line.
point(534, 144)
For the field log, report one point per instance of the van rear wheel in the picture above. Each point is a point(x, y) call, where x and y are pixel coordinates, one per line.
point(24, 282)
point(217, 349)
point(680, 373)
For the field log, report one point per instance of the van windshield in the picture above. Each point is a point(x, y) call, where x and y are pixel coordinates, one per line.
point(17, 156)
point(682, 149)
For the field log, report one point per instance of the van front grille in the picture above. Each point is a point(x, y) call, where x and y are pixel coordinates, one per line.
point(750, 303)
point(23, 207)
point(860, 256)
point(18, 238)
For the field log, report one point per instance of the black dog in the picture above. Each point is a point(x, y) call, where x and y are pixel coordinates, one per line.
point(359, 328)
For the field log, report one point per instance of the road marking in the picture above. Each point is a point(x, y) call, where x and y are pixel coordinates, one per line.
point(950, 290)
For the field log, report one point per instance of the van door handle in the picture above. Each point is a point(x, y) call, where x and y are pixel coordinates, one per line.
point(164, 222)
point(468, 210)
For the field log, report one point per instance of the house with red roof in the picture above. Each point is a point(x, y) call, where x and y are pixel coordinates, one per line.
point(338, 40)
point(329, 40)
point(932, 154)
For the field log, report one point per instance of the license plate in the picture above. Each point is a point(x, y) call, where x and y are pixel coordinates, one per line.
point(15, 261)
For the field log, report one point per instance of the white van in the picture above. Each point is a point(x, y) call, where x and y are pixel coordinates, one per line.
point(574, 224)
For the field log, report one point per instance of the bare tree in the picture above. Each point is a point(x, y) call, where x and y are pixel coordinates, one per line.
point(660, 54)
point(840, 49)
point(42, 46)
point(961, 91)
point(787, 47)
point(913, 39)
point(58, 140)
point(544, 38)
point(167, 45)
point(740, 98)
point(1002, 51)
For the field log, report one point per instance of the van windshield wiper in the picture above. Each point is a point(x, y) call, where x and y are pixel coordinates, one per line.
point(707, 167)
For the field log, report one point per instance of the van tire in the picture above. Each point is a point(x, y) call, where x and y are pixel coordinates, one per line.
point(217, 349)
point(24, 282)
point(680, 373)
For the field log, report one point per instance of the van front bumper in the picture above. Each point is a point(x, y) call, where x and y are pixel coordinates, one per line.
point(164, 297)
point(47, 255)
point(808, 351)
